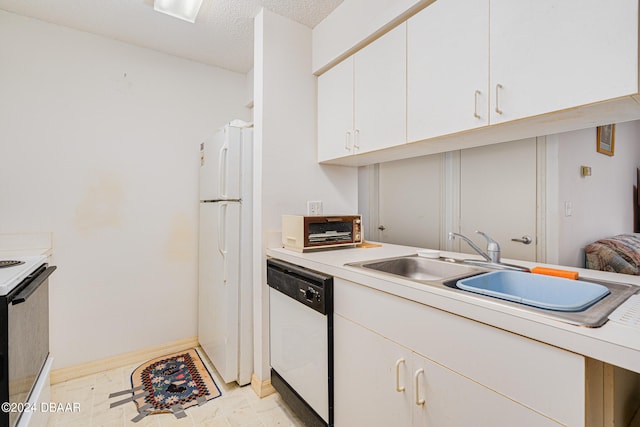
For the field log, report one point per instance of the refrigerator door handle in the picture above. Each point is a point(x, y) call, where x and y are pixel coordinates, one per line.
point(222, 238)
point(222, 170)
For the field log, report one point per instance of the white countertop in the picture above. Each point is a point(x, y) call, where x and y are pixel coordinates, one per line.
point(613, 343)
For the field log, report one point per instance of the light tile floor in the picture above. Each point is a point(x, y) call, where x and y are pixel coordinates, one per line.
point(238, 406)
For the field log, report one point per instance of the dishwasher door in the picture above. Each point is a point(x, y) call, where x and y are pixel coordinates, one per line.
point(301, 338)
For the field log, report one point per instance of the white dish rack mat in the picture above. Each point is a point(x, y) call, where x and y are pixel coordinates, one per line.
point(628, 313)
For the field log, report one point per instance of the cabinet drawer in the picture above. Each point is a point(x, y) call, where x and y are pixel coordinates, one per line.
point(547, 379)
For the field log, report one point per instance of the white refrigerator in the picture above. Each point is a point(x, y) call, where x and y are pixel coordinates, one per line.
point(225, 323)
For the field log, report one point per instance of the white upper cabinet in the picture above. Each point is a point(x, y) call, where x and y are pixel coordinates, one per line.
point(463, 65)
point(335, 111)
point(448, 69)
point(549, 55)
point(380, 92)
point(362, 100)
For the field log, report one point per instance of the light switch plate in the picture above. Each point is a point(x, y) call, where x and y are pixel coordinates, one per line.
point(568, 209)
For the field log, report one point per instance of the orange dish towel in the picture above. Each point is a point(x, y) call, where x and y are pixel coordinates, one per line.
point(554, 272)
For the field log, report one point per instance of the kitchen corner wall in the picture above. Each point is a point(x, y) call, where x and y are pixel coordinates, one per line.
point(287, 172)
point(602, 204)
point(99, 144)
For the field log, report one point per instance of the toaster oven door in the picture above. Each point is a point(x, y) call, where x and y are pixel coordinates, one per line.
point(327, 231)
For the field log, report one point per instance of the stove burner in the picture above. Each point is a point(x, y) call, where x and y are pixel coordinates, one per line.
point(9, 263)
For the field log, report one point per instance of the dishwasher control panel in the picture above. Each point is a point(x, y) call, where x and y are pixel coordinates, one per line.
point(309, 287)
point(311, 295)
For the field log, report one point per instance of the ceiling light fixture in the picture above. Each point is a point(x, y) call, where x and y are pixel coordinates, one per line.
point(186, 10)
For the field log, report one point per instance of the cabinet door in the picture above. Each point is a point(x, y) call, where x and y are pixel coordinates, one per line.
point(447, 68)
point(380, 92)
point(548, 55)
point(455, 401)
point(335, 111)
point(380, 383)
point(365, 391)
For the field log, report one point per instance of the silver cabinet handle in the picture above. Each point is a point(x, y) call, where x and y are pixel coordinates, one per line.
point(524, 239)
point(399, 388)
point(498, 87)
point(419, 401)
point(356, 139)
point(347, 140)
point(475, 104)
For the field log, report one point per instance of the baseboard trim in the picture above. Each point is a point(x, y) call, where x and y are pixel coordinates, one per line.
point(261, 388)
point(138, 356)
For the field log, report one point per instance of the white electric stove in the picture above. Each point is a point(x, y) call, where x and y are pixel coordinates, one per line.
point(14, 270)
point(24, 340)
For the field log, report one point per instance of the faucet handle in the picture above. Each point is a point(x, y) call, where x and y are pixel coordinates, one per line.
point(493, 248)
point(492, 245)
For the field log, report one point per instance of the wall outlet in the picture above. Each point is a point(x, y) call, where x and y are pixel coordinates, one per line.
point(314, 208)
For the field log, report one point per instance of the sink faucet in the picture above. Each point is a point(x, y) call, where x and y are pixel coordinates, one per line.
point(491, 256)
point(493, 248)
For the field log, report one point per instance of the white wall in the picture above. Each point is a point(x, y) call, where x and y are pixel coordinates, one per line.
point(285, 135)
point(99, 144)
point(602, 202)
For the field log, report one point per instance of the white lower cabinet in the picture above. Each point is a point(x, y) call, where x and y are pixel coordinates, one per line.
point(381, 383)
point(365, 378)
point(472, 374)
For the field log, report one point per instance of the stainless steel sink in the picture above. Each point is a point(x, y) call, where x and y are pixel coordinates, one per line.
point(445, 273)
point(418, 268)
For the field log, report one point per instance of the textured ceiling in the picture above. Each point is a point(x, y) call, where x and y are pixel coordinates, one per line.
point(221, 36)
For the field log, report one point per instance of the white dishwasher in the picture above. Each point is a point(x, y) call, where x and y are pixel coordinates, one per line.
point(301, 340)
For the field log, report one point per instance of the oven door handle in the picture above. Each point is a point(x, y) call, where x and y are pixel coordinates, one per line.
point(33, 286)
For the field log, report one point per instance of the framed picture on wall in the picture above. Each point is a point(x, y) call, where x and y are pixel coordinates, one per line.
point(606, 138)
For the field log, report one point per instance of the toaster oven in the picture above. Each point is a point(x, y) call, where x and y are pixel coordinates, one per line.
point(303, 233)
